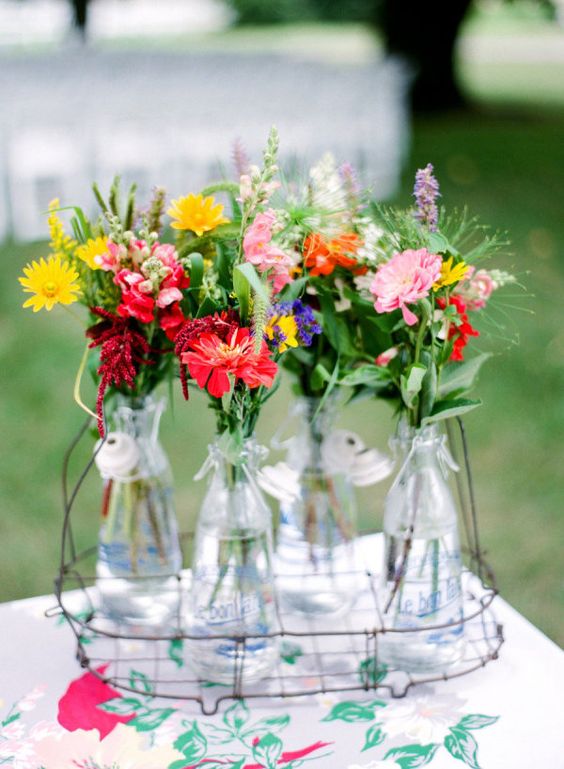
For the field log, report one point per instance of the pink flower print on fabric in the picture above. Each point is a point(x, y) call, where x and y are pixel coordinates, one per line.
point(406, 278)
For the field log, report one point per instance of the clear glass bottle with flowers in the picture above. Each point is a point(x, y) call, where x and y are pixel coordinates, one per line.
point(316, 552)
point(423, 290)
point(132, 285)
point(227, 350)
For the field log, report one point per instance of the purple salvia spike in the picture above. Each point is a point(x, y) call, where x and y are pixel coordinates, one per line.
point(240, 158)
point(426, 192)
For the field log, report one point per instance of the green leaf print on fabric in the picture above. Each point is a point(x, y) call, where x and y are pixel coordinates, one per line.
point(412, 756)
point(267, 751)
point(151, 719)
point(374, 736)
point(462, 745)
point(175, 650)
point(476, 721)
point(354, 711)
point(192, 744)
point(140, 682)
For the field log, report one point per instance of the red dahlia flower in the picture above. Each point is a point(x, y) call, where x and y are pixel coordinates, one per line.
point(211, 360)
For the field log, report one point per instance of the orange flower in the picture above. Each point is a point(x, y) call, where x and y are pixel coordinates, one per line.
point(322, 256)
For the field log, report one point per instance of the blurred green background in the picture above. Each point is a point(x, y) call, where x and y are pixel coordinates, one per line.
point(504, 159)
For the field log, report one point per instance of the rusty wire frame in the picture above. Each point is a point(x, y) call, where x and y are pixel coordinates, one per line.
point(330, 660)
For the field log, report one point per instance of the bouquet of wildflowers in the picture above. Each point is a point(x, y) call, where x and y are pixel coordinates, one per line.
point(425, 286)
point(130, 282)
point(236, 327)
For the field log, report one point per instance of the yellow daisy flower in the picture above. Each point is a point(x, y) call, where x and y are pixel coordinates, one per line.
point(196, 213)
point(286, 326)
point(450, 274)
point(51, 282)
point(92, 248)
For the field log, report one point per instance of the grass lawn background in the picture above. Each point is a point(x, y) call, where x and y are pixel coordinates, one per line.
point(505, 161)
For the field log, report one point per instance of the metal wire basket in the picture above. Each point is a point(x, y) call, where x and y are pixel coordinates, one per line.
point(316, 655)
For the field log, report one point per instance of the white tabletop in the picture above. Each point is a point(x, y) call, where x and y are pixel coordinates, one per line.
point(508, 715)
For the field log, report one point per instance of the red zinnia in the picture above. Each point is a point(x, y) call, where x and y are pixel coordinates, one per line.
point(211, 360)
point(460, 331)
point(223, 325)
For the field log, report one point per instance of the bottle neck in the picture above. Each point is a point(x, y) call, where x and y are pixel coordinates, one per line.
point(316, 422)
point(236, 465)
point(138, 417)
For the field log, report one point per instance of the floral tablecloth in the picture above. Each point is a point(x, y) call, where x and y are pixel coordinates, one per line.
point(54, 715)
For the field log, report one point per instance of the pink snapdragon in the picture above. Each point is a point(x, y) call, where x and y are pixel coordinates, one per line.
point(113, 258)
point(156, 284)
point(267, 257)
point(136, 296)
point(406, 278)
point(476, 288)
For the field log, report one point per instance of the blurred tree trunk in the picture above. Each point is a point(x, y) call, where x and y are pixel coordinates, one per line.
point(80, 8)
point(425, 35)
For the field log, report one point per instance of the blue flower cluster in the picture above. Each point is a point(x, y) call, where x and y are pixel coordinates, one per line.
point(304, 317)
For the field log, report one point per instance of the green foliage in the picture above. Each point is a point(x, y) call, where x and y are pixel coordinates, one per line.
point(257, 12)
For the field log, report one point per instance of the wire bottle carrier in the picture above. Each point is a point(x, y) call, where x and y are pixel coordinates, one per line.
point(316, 654)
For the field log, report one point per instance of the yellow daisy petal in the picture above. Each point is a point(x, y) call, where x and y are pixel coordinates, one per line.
point(196, 213)
point(90, 250)
point(51, 282)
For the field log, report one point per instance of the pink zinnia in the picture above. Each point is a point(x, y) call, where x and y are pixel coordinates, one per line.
point(406, 278)
point(476, 288)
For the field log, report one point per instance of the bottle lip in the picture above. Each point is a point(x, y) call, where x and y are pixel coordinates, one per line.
point(136, 403)
point(406, 433)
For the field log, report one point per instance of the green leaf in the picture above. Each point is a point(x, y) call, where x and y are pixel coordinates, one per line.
point(476, 721)
point(208, 307)
point(447, 409)
point(151, 720)
point(289, 652)
point(368, 374)
point(236, 716)
point(462, 745)
point(122, 706)
point(140, 682)
point(352, 712)
point(293, 290)
point(10, 719)
point(192, 744)
point(175, 649)
point(242, 289)
point(335, 328)
point(267, 751)
point(438, 244)
point(429, 385)
point(319, 376)
point(374, 736)
point(412, 756)
point(411, 384)
point(370, 671)
point(276, 723)
point(196, 270)
point(460, 377)
point(251, 276)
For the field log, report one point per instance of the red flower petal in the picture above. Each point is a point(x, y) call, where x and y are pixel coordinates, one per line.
point(78, 705)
